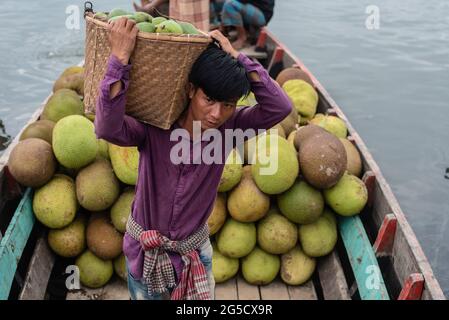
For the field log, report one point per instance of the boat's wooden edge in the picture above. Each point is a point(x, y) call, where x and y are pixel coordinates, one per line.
point(407, 247)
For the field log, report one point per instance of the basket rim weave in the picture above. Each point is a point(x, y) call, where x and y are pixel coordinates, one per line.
point(187, 38)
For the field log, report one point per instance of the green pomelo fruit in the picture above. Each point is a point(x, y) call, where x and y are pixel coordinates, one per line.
point(63, 103)
point(223, 268)
point(301, 203)
point(246, 203)
point(69, 241)
point(54, 204)
point(74, 142)
point(260, 267)
point(102, 238)
point(332, 124)
point(236, 239)
point(72, 70)
point(120, 267)
point(348, 197)
point(121, 209)
point(232, 172)
point(94, 272)
point(296, 267)
point(303, 96)
point(219, 213)
point(275, 166)
point(354, 164)
point(319, 238)
point(32, 162)
point(41, 129)
point(73, 82)
point(103, 149)
point(125, 161)
point(276, 234)
point(97, 188)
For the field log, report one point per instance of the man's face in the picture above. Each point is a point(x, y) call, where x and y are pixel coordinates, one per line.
point(211, 113)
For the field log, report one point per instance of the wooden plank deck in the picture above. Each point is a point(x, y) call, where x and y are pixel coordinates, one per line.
point(332, 278)
point(238, 289)
point(116, 289)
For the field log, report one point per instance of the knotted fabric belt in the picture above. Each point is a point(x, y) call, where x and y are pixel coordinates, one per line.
point(158, 272)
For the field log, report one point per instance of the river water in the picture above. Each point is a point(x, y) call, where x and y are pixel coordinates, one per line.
point(391, 82)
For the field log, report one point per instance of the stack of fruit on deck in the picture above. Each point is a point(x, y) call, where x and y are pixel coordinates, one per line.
point(83, 186)
point(270, 224)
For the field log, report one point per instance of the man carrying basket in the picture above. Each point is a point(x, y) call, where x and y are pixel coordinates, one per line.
point(166, 244)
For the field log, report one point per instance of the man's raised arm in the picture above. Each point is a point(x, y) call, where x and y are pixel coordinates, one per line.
point(273, 104)
point(111, 123)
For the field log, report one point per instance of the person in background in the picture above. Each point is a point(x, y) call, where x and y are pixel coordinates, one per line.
point(216, 6)
point(193, 11)
point(244, 15)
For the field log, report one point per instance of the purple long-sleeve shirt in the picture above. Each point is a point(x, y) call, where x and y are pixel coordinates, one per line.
point(176, 199)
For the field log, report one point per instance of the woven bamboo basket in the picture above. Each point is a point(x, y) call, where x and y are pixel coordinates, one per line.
point(161, 63)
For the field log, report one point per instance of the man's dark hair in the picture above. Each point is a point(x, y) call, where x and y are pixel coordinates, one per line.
point(219, 75)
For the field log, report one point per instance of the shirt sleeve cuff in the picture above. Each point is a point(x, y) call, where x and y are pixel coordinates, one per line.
point(116, 70)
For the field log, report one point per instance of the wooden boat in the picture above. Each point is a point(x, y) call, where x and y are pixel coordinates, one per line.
point(377, 256)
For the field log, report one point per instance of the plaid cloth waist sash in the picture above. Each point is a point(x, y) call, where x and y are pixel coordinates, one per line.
point(158, 272)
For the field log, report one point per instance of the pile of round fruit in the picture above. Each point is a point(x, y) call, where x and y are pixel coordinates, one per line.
point(280, 223)
point(265, 225)
point(83, 186)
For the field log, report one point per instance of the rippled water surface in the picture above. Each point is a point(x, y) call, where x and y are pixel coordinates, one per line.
point(392, 83)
